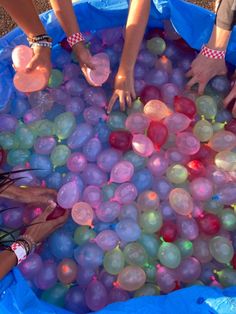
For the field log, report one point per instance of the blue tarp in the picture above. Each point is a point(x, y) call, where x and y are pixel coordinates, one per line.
point(195, 25)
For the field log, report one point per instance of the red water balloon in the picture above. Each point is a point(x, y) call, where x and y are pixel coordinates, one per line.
point(185, 105)
point(209, 224)
point(168, 231)
point(57, 212)
point(64, 44)
point(121, 140)
point(2, 156)
point(149, 93)
point(231, 126)
point(233, 262)
point(195, 169)
point(158, 133)
point(205, 154)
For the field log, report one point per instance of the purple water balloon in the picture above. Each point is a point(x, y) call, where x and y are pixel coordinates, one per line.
point(95, 97)
point(92, 195)
point(92, 149)
point(31, 266)
point(118, 295)
point(96, 295)
point(92, 115)
point(76, 162)
point(80, 136)
point(75, 87)
point(8, 123)
point(158, 164)
point(68, 195)
point(108, 158)
point(107, 240)
point(46, 278)
point(108, 211)
point(93, 175)
point(126, 193)
point(74, 105)
point(44, 145)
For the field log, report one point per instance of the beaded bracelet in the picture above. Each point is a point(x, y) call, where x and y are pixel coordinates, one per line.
point(212, 53)
point(75, 39)
point(38, 38)
point(41, 44)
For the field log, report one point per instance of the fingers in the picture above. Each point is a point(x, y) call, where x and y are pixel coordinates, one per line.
point(201, 88)
point(49, 209)
point(128, 100)
point(122, 101)
point(192, 82)
point(112, 102)
point(230, 96)
point(90, 65)
point(189, 73)
point(32, 64)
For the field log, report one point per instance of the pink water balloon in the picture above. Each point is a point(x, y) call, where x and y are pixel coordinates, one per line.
point(82, 213)
point(122, 172)
point(100, 74)
point(142, 145)
point(201, 189)
point(137, 123)
point(187, 143)
point(21, 56)
point(177, 122)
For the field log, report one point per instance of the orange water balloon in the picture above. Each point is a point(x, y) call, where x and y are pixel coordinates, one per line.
point(31, 81)
point(82, 213)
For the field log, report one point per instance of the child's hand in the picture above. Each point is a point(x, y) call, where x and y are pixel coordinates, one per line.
point(231, 97)
point(124, 90)
point(41, 59)
point(30, 195)
point(203, 70)
point(85, 59)
point(41, 228)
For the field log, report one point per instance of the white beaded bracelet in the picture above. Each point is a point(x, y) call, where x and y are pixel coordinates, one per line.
point(20, 252)
point(42, 44)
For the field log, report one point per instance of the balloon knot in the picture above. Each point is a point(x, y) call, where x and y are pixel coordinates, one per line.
point(116, 284)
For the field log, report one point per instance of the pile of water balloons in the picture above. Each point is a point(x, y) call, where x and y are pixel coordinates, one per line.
point(151, 190)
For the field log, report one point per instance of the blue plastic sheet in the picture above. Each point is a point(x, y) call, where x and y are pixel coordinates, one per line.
point(194, 24)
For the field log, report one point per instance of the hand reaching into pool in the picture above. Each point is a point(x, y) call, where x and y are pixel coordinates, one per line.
point(65, 14)
point(211, 60)
point(135, 27)
point(123, 91)
point(203, 69)
point(84, 57)
point(29, 195)
point(39, 230)
point(42, 60)
point(231, 97)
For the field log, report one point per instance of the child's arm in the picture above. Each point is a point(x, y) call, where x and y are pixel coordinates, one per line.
point(24, 14)
point(135, 27)
point(65, 14)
